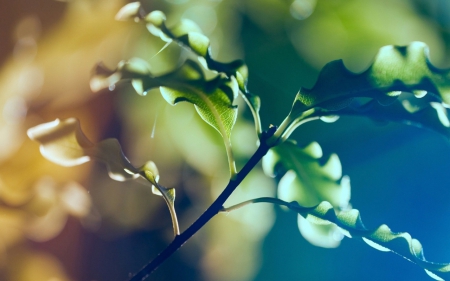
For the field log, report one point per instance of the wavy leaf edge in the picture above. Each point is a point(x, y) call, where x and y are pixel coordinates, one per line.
point(380, 238)
point(394, 70)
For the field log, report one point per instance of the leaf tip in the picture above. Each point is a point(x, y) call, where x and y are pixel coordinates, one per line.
point(37, 132)
point(434, 276)
point(129, 11)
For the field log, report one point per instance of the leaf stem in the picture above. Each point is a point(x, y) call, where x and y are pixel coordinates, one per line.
point(173, 215)
point(289, 124)
point(169, 197)
point(213, 210)
point(255, 111)
point(256, 200)
point(230, 155)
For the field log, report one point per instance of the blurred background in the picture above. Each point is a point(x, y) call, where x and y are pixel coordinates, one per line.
point(59, 224)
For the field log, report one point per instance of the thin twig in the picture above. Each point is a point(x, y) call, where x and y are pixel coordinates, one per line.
point(213, 210)
point(256, 200)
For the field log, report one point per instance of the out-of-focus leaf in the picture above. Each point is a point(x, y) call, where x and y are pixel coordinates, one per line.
point(213, 99)
point(381, 238)
point(394, 70)
point(129, 11)
point(63, 143)
point(309, 183)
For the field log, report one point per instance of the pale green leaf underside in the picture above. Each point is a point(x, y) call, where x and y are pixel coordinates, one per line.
point(188, 34)
point(307, 181)
point(185, 32)
point(213, 99)
point(64, 143)
point(213, 107)
point(381, 238)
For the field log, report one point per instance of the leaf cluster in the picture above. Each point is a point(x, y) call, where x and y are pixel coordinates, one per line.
point(400, 85)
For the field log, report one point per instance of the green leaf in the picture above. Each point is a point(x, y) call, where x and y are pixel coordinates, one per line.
point(198, 42)
point(63, 143)
point(188, 34)
point(213, 106)
point(394, 71)
point(129, 11)
point(309, 182)
point(381, 238)
point(213, 99)
point(432, 116)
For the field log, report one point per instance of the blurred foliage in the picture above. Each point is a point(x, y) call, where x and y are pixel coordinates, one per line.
point(46, 75)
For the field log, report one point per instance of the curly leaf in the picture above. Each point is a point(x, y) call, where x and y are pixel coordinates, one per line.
point(309, 183)
point(63, 143)
point(188, 34)
point(433, 116)
point(306, 180)
point(185, 32)
point(213, 107)
point(129, 11)
point(213, 99)
point(381, 238)
point(394, 70)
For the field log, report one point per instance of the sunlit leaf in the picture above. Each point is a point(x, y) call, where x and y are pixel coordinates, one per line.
point(320, 235)
point(213, 99)
point(188, 34)
point(129, 11)
point(213, 107)
point(185, 32)
point(64, 143)
point(431, 115)
point(309, 182)
point(381, 238)
point(394, 71)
